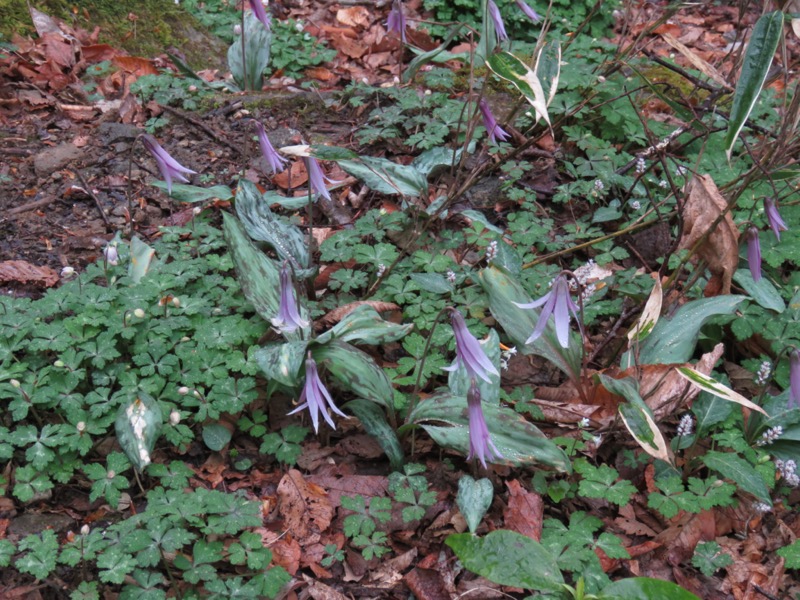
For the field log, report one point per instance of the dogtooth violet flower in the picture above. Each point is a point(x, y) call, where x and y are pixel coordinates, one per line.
point(774, 218)
point(529, 12)
point(497, 21)
point(754, 253)
point(316, 398)
point(111, 254)
point(557, 302)
point(794, 379)
point(493, 130)
point(480, 444)
point(316, 177)
point(258, 10)
point(288, 319)
point(469, 353)
point(275, 161)
point(169, 167)
point(396, 21)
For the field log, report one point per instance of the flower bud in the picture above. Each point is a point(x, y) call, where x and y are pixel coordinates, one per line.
point(174, 417)
point(111, 474)
point(67, 272)
point(139, 313)
point(183, 390)
point(15, 383)
point(85, 530)
point(111, 254)
point(81, 426)
point(176, 302)
point(59, 364)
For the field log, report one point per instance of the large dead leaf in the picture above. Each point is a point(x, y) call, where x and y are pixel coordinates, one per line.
point(356, 16)
point(304, 506)
point(24, 272)
point(524, 512)
point(720, 247)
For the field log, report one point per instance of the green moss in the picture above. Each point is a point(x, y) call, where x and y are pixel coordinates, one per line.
point(159, 25)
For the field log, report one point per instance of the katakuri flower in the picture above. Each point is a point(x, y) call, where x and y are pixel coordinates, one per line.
point(275, 161)
point(557, 302)
point(396, 21)
point(469, 353)
point(794, 378)
point(529, 12)
point(316, 177)
point(493, 130)
point(497, 21)
point(288, 319)
point(774, 218)
point(754, 253)
point(260, 13)
point(316, 398)
point(480, 444)
point(111, 254)
point(169, 167)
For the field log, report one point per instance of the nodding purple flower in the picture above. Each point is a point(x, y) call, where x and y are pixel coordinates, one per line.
point(497, 20)
point(774, 218)
point(288, 319)
point(396, 21)
point(754, 253)
point(316, 398)
point(111, 254)
point(275, 161)
point(469, 353)
point(557, 302)
point(794, 379)
point(529, 12)
point(494, 130)
point(169, 167)
point(258, 10)
point(316, 177)
point(480, 444)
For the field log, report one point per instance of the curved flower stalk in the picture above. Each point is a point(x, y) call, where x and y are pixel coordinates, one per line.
point(557, 302)
point(493, 130)
point(774, 217)
point(288, 319)
point(316, 397)
point(396, 22)
point(275, 161)
point(497, 21)
point(754, 253)
point(169, 167)
point(794, 379)
point(469, 353)
point(258, 10)
point(480, 443)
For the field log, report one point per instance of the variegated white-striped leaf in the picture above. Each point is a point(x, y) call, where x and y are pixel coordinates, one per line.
point(650, 314)
point(712, 386)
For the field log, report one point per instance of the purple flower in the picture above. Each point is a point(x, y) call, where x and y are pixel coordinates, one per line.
point(168, 166)
point(275, 161)
point(260, 13)
point(557, 302)
point(774, 218)
point(497, 20)
point(469, 353)
point(794, 379)
point(111, 254)
point(480, 444)
point(288, 319)
point(396, 21)
point(316, 398)
point(529, 12)
point(316, 178)
point(754, 253)
point(494, 130)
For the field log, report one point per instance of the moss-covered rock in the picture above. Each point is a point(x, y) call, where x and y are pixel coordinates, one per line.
point(143, 28)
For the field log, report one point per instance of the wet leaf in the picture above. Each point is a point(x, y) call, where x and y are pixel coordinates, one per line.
point(137, 426)
point(281, 361)
point(141, 257)
point(644, 588)
point(373, 418)
point(474, 499)
point(364, 324)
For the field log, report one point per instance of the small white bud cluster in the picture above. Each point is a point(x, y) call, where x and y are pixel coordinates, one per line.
point(770, 435)
point(663, 184)
point(583, 423)
point(451, 277)
point(788, 470)
point(505, 356)
point(599, 185)
point(381, 270)
point(764, 371)
point(636, 205)
point(685, 425)
point(491, 251)
point(641, 165)
point(761, 507)
point(681, 171)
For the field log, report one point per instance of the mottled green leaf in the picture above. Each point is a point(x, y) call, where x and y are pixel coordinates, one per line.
point(644, 588)
point(137, 426)
point(281, 361)
point(373, 418)
point(248, 73)
point(507, 66)
point(738, 470)
point(216, 436)
point(183, 192)
point(763, 292)
point(365, 325)
point(474, 499)
point(386, 177)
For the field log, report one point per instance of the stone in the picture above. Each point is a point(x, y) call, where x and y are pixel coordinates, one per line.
point(56, 158)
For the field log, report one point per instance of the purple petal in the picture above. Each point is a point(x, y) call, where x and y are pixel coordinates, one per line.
point(258, 10)
point(493, 130)
point(754, 253)
point(396, 22)
point(794, 379)
point(561, 313)
point(497, 20)
point(529, 12)
point(468, 350)
point(275, 161)
point(541, 324)
point(316, 178)
point(774, 217)
point(480, 442)
point(169, 167)
point(316, 398)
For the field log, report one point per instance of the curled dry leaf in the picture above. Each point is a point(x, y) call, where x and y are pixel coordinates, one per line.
point(720, 248)
point(21, 271)
point(304, 506)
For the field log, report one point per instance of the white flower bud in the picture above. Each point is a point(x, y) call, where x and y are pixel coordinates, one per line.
point(176, 302)
point(174, 417)
point(85, 530)
point(139, 313)
point(111, 254)
point(111, 474)
point(15, 383)
point(81, 426)
point(183, 390)
point(67, 272)
point(59, 364)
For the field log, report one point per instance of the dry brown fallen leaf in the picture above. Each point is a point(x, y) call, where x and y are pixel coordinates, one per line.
point(304, 506)
point(720, 249)
point(21, 271)
point(337, 314)
point(524, 512)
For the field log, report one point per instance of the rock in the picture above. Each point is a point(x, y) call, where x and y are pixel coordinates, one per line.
point(108, 132)
point(31, 523)
point(56, 158)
